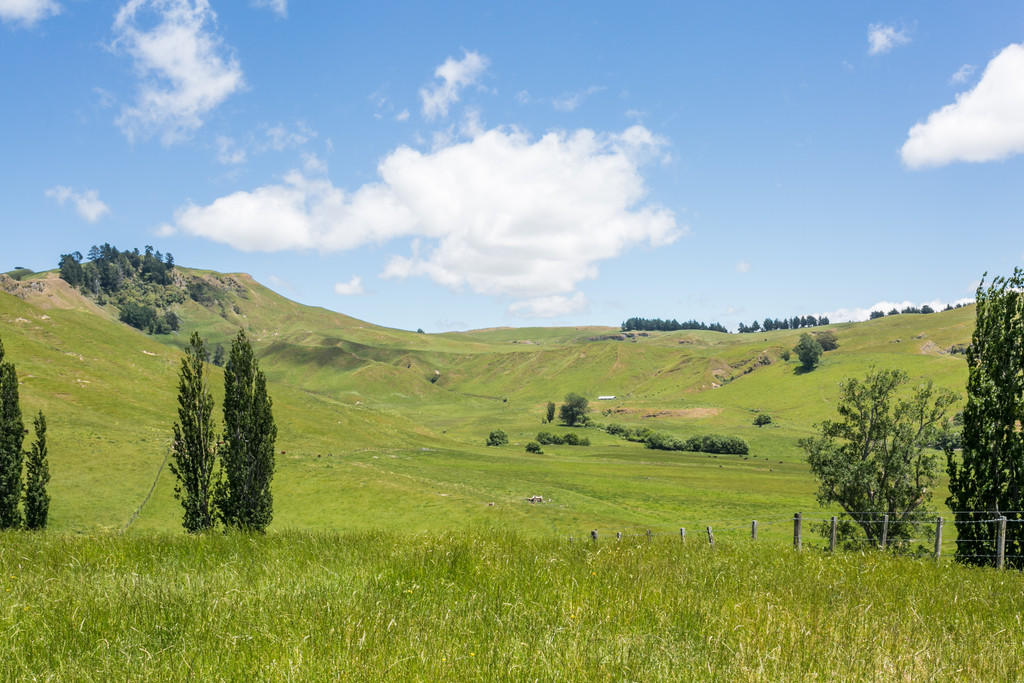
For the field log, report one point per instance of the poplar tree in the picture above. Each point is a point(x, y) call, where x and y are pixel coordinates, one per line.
point(37, 475)
point(193, 452)
point(12, 435)
point(988, 482)
point(244, 500)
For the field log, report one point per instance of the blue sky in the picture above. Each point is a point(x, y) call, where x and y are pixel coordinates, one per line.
point(463, 165)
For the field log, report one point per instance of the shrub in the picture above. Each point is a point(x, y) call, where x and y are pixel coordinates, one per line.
point(547, 438)
point(762, 419)
point(497, 438)
point(533, 447)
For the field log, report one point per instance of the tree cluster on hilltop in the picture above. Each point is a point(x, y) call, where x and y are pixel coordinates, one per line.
point(659, 325)
point(138, 283)
point(911, 309)
point(795, 323)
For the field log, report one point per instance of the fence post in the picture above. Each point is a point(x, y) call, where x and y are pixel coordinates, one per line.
point(682, 534)
point(832, 536)
point(711, 538)
point(938, 538)
point(618, 535)
point(753, 530)
point(649, 534)
point(593, 535)
point(885, 530)
point(797, 531)
point(1001, 545)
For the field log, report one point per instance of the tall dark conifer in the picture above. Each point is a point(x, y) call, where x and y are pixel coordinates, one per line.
point(12, 434)
point(193, 451)
point(37, 476)
point(988, 480)
point(244, 500)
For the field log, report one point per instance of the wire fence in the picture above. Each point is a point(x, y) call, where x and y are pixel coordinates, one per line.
point(972, 536)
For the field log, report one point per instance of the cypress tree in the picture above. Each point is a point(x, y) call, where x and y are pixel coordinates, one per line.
point(193, 451)
point(244, 500)
point(12, 434)
point(37, 475)
point(989, 479)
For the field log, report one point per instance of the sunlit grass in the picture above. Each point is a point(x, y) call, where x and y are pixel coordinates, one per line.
point(492, 605)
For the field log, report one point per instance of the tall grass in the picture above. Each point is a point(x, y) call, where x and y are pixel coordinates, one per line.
point(491, 605)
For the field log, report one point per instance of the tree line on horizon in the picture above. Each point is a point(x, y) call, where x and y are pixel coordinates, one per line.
point(659, 325)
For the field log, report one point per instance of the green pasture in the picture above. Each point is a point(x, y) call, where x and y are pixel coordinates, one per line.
point(384, 429)
point(489, 603)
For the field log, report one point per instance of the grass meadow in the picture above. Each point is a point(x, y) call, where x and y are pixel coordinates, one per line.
point(492, 604)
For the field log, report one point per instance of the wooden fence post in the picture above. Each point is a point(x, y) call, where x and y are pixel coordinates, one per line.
point(797, 531)
point(938, 538)
point(649, 534)
point(618, 535)
point(885, 530)
point(593, 535)
point(753, 530)
point(711, 538)
point(832, 536)
point(1001, 544)
point(682, 534)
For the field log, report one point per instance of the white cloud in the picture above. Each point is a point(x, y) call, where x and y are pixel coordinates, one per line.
point(846, 315)
point(962, 74)
point(278, 6)
point(550, 306)
point(279, 138)
point(228, 153)
point(984, 124)
point(882, 38)
point(351, 288)
point(743, 267)
point(569, 101)
point(455, 75)
point(183, 71)
point(402, 115)
point(27, 12)
point(87, 204)
point(500, 214)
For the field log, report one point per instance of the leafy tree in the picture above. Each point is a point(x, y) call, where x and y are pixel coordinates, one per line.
point(873, 460)
point(551, 411)
point(989, 479)
point(12, 434)
point(828, 339)
point(497, 437)
point(876, 314)
point(533, 447)
point(218, 356)
point(37, 476)
point(762, 419)
point(808, 350)
point(574, 410)
point(242, 497)
point(193, 451)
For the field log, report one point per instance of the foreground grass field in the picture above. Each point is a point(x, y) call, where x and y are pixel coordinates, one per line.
point(491, 605)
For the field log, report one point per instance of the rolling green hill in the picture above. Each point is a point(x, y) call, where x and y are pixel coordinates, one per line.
point(382, 428)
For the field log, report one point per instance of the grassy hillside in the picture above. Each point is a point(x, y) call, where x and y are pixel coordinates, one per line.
point(384, 429)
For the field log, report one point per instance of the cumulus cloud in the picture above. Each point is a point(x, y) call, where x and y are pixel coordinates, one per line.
point(27, 12)
point(743, 267)
point(501, 214)
point(454, 75)
point(962, 74)
point(278, 6)
point(183, 67)
point(846, 315)
point(882, 38)
point(351, 288)
point(984, 124)
point(87, 204)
